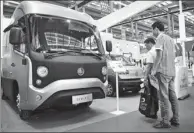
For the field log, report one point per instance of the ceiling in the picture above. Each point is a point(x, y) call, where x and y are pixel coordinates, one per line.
point(98, 9)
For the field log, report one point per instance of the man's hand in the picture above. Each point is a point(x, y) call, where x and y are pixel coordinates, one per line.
point(145, 80)
point(153, 73)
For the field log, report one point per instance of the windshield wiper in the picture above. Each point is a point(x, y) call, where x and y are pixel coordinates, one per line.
point(52, 53)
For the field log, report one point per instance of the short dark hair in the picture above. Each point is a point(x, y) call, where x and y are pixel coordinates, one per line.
point(150, 40)
point(158, 25)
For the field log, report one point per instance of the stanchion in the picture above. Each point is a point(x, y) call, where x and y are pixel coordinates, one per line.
point(118, 111)
point(0, 62)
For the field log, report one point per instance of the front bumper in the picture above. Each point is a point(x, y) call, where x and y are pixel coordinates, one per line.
point(63, 90)
point(130, 84)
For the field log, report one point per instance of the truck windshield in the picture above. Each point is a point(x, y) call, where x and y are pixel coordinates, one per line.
point(56, 34)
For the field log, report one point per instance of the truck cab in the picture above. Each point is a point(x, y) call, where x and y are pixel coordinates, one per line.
point(53, 56)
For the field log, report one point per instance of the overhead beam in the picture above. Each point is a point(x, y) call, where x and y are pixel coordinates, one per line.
point(155, 9)
point(153, 16)
point(127, 12)
point(80, 3)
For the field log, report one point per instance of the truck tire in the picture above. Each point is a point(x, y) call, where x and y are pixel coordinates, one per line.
point(136, 90)
point(111, 90)
point(25, 114)
point(3, 97)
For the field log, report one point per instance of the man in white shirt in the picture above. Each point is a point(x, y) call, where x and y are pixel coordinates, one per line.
point(150, 59)
point(151, 55)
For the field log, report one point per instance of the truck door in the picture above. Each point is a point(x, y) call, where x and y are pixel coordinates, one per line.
point(20, 70)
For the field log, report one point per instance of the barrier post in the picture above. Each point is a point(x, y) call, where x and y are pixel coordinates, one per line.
point(1, 62)
point(118, 111)
point(117, 91)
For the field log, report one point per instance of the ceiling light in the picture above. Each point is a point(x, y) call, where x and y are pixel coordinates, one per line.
point(68, 21)
point(169, 2)
point(164, 3)
point(159, 5)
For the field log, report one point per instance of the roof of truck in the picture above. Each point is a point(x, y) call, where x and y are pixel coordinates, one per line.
point(38, 7)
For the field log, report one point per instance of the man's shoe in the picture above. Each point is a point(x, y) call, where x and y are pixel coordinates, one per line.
point(161, 124)
point(152, 117)
point(174, 123)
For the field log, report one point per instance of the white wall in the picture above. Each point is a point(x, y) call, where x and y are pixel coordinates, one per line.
point(5, 23)
point(121, 46)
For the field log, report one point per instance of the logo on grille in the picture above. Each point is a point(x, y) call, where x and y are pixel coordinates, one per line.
point(127, 71)
point(80, 71)
point(136, 74)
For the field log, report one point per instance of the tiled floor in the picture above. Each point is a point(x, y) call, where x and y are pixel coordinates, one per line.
point(60, 121)
point(135, 122)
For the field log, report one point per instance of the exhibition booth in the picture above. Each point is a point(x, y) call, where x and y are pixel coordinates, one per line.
point(78, 73)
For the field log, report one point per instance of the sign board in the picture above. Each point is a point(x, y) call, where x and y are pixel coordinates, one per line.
point(117, 67)
point(181, 82)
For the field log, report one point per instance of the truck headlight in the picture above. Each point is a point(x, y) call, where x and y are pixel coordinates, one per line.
point(104, 70)
point(142, 80)
point(42, 71)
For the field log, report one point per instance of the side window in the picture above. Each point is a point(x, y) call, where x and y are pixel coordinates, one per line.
point(22, 47)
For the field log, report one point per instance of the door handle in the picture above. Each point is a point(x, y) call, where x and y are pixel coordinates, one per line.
point(13, 64)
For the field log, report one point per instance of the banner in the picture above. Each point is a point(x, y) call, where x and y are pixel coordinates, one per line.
point(181, 82)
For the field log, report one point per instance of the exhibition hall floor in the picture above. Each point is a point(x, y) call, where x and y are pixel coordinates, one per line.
point(60, 121)
point(97, 118)
point(135, 122)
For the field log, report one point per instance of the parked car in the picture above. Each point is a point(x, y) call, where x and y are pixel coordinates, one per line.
point(128, 81)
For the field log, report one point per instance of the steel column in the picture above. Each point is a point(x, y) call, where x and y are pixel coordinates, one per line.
point(172, 22)
point(83, 9)
point(111, 6)
point(169, 22)
point(132, 29)
point(1, 62)
point(182, 31)
point(136, 30)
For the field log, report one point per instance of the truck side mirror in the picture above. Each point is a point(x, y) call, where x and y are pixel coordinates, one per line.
point(108, 46)
point(15, 37)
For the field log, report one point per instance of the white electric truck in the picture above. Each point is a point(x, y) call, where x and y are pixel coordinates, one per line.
point(52, 56)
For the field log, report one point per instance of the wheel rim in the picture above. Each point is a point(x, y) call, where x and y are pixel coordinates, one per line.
point(110, 90)
point(18, 102)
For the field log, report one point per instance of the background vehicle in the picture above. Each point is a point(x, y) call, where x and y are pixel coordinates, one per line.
point(129, 81)
point(50, 55)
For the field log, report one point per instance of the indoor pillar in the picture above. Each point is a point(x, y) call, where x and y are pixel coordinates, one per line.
point(132, 29)
point(136, 30)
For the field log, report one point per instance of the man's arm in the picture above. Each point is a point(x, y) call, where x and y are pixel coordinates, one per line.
point(159, 49)
point(158, 59)
point(148, 70)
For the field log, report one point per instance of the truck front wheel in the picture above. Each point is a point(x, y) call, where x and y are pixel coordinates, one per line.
point(136, 90)
point(24, 114)
point(3, 97)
